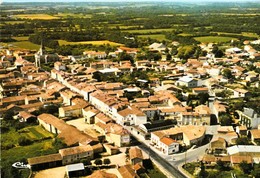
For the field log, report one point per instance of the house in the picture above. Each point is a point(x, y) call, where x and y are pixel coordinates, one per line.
point(113, 133)
point(160, 47)
point(255, 135)
point(218, 146)
point(187, 81)
point(237, 159)
point(102, 174)
point(244, 150)
point(228, 133)
point(75, 154)
point(70, 111)
point(95, 54)
point(239, 92)
point(241, 130)
point(188, 135)
point(75, 170)
point(136, 156)
point(70, 134)
point(168, 145)
point(127, 172)
point(204, 113)
point(26, 117)
point(249, 118)
point(45, 162)
point(200, 90)
point(131, 116)
point(89, 114)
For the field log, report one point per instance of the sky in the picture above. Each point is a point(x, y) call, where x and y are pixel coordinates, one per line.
point(193, 1)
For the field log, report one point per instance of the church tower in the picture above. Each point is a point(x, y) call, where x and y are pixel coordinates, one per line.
point(39, 55)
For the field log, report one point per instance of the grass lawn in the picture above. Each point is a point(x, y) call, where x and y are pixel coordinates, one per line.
point(103, 42)
point(159, 37)
point(212, 39)
point(25, 45)
point(35, 16)
point(147, 31)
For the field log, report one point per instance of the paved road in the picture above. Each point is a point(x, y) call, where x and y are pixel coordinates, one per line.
point(164, 163)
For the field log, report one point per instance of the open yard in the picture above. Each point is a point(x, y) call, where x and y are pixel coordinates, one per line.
point(212, 39)
point(35, 16)
point(103, 42)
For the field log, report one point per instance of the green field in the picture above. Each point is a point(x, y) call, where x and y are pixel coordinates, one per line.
point(185, 34)
point(69, 15)
point(250, 34)
point(21, 38)
point(37, 133)
point(213, 39)
point(35, 16)
point(147, 31)
point(13, 22)
point(25, 45)
point(103, 42)
point(159, 37)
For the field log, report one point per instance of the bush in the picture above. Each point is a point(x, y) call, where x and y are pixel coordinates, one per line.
point(98, 162)
point(107, 161)
point(24, 141)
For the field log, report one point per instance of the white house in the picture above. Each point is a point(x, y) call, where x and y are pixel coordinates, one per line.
point(187, 81)
point(168, 145)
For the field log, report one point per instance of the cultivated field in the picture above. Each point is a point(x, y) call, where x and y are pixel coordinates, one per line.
point(159, 37)
point(36, 133)
point(212, 39)
point(103, 42)
point(147, 31)
point(35, 16)
point(69, 15)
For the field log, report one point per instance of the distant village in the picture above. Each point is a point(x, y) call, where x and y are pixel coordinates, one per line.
point(179, 111)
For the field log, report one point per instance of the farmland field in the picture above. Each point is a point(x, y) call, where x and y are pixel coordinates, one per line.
point(159, 37)
point(35, 16)
point(211, 39)
point(13, 22)
point(147, 31)
point(68, 15)
point(21, 38)
point(104, 42)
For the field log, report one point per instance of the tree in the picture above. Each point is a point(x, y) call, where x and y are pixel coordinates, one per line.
point(203, 97)
point(256, 171)
point(242, 141)
point(98, 162)
point(106, 161)
point(227, 73)
point(85, 161)
point(245, 167)
point(225, 119)
point(22, 141)
point(222, 166)
point(203, 173)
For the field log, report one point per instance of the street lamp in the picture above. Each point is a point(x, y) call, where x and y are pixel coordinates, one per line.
point(185, 155)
